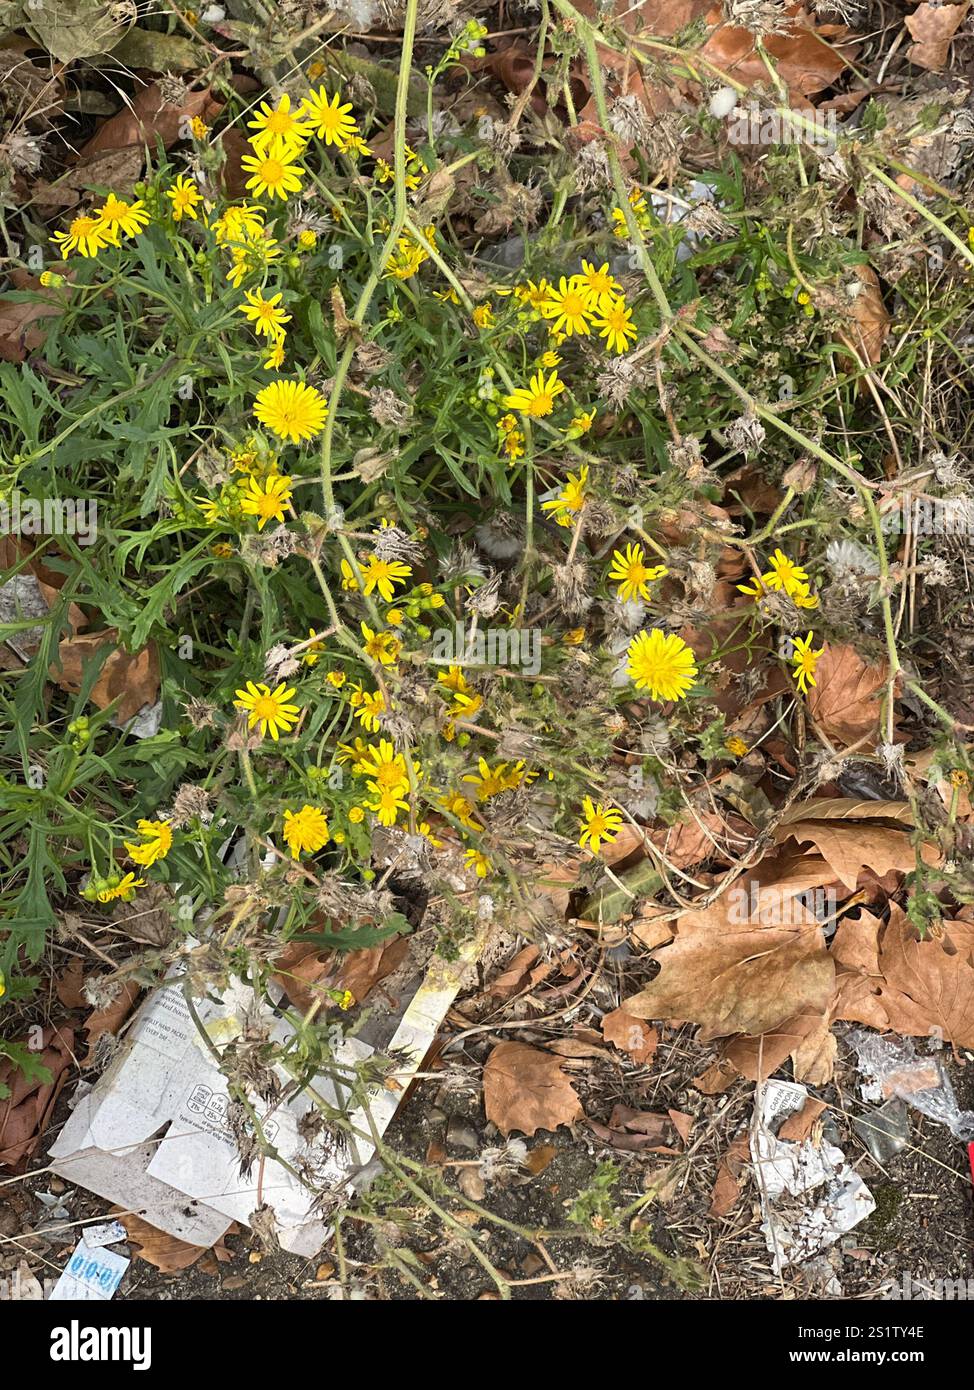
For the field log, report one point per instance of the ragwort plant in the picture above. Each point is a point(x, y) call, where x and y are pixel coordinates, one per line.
point(336, 460)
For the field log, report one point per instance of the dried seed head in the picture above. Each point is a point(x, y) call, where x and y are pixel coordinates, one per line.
point(570, 583)
point(393, 543)
point(200, 713)
point(190, 803)
point(386, 408)
point(746, 435)
point(485, 601)
point(760, 17)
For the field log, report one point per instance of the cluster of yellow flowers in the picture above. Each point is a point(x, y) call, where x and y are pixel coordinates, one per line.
point(91, 232)
point(155, 842)
point(783, 576)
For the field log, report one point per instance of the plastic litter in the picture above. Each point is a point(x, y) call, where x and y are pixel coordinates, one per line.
point(810, 1196)
point(895, 1070)
point(885, 1131)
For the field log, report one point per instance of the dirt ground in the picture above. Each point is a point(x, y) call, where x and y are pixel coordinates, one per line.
point(923, 1225)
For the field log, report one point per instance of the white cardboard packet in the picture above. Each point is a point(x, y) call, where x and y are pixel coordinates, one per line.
point(152, 1135)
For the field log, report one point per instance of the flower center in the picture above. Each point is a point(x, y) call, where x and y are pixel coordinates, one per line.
point(265, 708)
point(271, 171)
point(572, 305)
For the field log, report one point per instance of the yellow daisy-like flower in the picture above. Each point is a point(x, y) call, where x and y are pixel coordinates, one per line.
point(661, 663)
point(368, 706)
point(157, 842)
point(336, 678)
point(291, 410)
point(632, 575)
point(255, 254)
point(785, 574)
point(570, 500)
point(267, 315)
point(86, 235)
point(383, 647)
point(306, 831)
point(268, 708)
point(117, 216)
point(356, 146)
point(279, 129)
point(198, 128)
point(803, 598)
point(478, 862)
point(483, 316)
point(490, 781)
point(461, 808)
point(239, 225)
point(387, 805)
point(273, 174)
point(538, 397)
point(567, 307)
point(599, 823)
point(805, 661)
point(266, 500)
point(184, 196)
point(385, 768)
point(616, 328)
point(582, 423)
point(736, 746)
point(384, 575)
point(329, 118)
point(123, 891)
point(599, 286)
point(754, 588)
point(274, 360)
point(454, 680)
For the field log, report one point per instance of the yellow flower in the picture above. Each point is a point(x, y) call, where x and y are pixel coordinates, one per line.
point(328, 118)
point(268, 708)
point(538, 397)
point(513, 445)
point(157, 837)
point(267, 315)
point(355, 145)
point(598, 823)
point(311, 654)
point(200, 130)
point(567, 307)
point(600, 287)
point(255, 254)
point(785, 574)
point(385, 768)
point(387, 805)
point(453, 679)
point(641, 209)
point(278, 129)
point(570, 500)
point(349, 582)
point(116, 216)
point(483, 316)
point(461, 808)
point(336, 678)
point(266, 500)
point(736, 747)
point(802, 598)
point(123, 890)
point(394, 617)
point(549, 359)
point(582, 423)
point(383, 575)
point(381, 646)
point(615, 326)
point(805, 661)
point(184, 195)
point(86, 235)
point(478, 862)
point(491, 781)
point(306, 831)
point(272, 174)
point(754, 588)
point(632, 575)
point(291, 410)
point(661, 663)
point(368, 707)
point(274, 360)
point(239, 224)
point(356, 815)
point(534, 295)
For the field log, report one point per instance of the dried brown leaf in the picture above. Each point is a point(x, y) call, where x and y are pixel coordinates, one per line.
point(526, 1089)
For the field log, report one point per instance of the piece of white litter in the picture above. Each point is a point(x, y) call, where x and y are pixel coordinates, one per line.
point(722, 103)
point(104, 1233)
point(90, 1275)
point(797, 1229)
